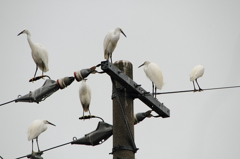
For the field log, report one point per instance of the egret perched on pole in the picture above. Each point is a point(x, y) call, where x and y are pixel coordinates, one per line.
point(110, 42)
point(35, 129)
point(154, 73)
point(85, 96)
point(196, 72)
point(39, 54)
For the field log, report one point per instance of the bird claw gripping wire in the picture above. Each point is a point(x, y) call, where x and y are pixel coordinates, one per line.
point(89, 117)
point(38, 77)
point(86, 117)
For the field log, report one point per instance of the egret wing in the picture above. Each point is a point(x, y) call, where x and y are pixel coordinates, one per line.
point(106, 43)
point(43, 55)
point(154, 73)
point(85, 96)
point(35, 129)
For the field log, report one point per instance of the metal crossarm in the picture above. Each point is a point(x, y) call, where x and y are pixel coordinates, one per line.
point(135, 88)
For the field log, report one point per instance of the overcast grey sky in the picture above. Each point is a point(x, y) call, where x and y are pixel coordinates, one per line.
point(176, 35)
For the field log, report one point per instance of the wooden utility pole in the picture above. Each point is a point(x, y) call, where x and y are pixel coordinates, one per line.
point(122, 144)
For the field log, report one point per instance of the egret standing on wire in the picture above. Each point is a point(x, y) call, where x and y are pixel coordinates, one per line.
point(110, 42)
point(196, 72)
point(85, 96)
point(39, 54)
point(154, 73)
point(35, 129)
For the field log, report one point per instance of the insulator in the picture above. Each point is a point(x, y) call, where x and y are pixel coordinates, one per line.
point(64, 82)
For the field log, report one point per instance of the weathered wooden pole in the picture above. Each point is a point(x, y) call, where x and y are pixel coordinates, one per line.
point(122, 144)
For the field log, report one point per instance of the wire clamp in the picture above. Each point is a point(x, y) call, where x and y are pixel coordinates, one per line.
point(121, 147)
point(35, 155)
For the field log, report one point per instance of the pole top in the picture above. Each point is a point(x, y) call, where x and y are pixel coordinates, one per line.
point(124, 62)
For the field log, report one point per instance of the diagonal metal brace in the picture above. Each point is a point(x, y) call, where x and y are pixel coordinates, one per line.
point(135, 88)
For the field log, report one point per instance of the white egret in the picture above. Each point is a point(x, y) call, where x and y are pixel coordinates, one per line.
point(35, 129)
point(85, 96)
point(196, 72)
point(39, 54)
point(110, 42)
point(154, 73)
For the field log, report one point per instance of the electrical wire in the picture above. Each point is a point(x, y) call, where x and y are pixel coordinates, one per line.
point(8, 102)
point(184, 91)
point(47, 149)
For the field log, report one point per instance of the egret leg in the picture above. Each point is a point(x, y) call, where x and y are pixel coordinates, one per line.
point(153, 89)
point(33, 79)
point(194, 87)
point(42, 75)
point(155, 92)
point(111, 57)
point(43, 69)
point(37, 144)
point(89, 112)
point(200, 89)
point(32, 145)
point(108, 57)
point(35, 72)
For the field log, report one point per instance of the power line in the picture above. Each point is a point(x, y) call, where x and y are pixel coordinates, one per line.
point(8, 102)
point(47, 149)
point(184, 91)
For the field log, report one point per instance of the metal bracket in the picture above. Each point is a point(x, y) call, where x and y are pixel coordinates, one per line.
point(134, 88)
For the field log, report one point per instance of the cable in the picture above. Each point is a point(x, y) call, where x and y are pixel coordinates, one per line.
point(7, 102)
point(57, 146)
point(47, 149)
point(197, 91)
point(98, 65)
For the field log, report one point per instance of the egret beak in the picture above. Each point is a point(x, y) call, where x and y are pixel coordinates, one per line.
point(20, 33)
point(141, 65)
point(123, 33)
point(50, 123)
